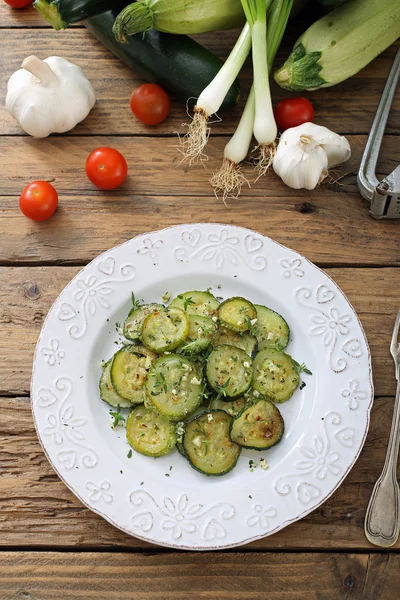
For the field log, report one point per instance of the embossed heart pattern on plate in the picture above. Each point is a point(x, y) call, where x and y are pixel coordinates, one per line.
point(326, 421)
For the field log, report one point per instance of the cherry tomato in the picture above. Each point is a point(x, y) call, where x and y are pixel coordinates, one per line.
point(38, 200)
point(292, 112)
point(150, 104)
point(18, 3)
point(106, 168)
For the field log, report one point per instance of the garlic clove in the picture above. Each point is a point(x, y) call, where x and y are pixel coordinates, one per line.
point(300, 165)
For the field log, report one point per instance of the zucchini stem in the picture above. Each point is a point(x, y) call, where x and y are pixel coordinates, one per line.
point(134, 18)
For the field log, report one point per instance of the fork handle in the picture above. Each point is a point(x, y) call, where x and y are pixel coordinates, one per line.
point(382, 522)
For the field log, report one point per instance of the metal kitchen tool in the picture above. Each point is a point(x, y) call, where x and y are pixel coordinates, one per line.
point(382, 520)
point(384, 195)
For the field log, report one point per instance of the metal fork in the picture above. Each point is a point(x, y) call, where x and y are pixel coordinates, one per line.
point(382, 520)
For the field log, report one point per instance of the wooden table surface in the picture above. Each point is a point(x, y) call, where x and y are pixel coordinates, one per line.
point(49, 542)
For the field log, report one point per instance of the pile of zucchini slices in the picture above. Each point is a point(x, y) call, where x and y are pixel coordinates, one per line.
point(203, 376)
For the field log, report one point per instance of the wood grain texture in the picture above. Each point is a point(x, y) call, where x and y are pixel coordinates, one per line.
point(26, 295)
point(172, 576)
point(347, 108)
point(330, 228)
point(38, 510)
point(26, 17)
point(155, 168)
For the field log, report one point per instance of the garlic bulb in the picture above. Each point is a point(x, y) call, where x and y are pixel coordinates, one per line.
point(303, 164)
point(305, 153)
point(49, 96)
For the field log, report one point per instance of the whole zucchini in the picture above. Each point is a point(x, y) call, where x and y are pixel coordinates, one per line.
point(62, 13)
point(179, 64)
point(340, 44)
point(178, 16)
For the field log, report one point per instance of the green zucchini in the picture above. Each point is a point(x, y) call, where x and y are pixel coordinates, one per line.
point(237, 314)
point(271, 329)
point(201, 332)
point(245, 341)
point(178, 16)
point(164, 330)
point(176, 62)
point(174, 387)
point(129, 371)
point(232, 407)
point(134, 322)
point(229, 371)
point(207, 444)
point(275, 375)
point(107, 390)
point(197, 303)
point(340, 44)
point(150, 433)
point(258, 426)
point(62, 13)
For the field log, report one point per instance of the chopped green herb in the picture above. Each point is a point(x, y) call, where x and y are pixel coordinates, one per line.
point(118, 418)
point(129, 453)
point(222, 389)
point(301, 368)
point(251, 497)
point(186, 301)
point(302, 385)
point(135, 303)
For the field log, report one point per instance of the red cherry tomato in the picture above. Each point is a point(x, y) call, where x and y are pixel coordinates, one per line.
point(150, 104)
point(18, 3)
point(38, 200)
point(292, 112)
point(106, 168)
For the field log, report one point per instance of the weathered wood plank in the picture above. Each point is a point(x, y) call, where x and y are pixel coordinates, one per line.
point(330, 228)
point(26, 295)
point(155, 169)
point(36, 508)
point(26, 17)
point(227, 576)
point(348, 107)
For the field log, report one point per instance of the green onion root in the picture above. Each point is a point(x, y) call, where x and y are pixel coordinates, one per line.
point(229, 180)
point(263, 158)
point(196, 138)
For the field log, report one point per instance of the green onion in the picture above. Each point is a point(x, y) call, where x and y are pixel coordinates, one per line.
point(178, 16)
point(265, 129)
point(229, 179)
point(212, 97)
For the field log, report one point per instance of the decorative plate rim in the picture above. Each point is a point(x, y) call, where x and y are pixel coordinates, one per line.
point(284, 523)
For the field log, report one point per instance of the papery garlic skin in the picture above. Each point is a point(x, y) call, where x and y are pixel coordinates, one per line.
point(50, 96)
point(336, 146)
point(300, 161)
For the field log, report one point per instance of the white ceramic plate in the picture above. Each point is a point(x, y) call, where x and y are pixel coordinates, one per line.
point(164, 500)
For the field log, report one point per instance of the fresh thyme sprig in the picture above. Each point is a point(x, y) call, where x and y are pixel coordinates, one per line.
point(118, 419)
